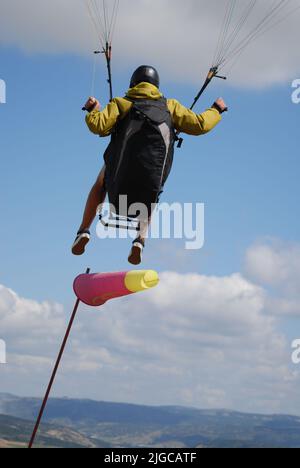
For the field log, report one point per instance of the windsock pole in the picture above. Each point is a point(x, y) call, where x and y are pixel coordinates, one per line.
point(61, 352)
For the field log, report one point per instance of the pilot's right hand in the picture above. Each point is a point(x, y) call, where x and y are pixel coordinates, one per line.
point(220, 105)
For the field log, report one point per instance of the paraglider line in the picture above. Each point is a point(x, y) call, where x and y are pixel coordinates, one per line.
point(50, 385)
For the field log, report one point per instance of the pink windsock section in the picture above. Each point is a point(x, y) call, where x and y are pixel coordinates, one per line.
point(98, 288)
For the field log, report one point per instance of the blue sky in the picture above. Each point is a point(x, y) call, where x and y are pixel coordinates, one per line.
point(237, 305)
point(246, 173)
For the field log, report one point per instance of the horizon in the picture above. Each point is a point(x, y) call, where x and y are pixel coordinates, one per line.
point(208, 410)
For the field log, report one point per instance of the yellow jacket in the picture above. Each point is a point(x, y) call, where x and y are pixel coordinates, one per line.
point(184, 120)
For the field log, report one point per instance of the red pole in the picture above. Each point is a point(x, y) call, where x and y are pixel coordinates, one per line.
point(61, 352)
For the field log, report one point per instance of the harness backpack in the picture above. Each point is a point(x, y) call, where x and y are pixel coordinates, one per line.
point(140, 155)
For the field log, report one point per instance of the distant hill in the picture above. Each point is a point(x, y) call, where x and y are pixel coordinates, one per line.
point(15, 433)
point(90, 423)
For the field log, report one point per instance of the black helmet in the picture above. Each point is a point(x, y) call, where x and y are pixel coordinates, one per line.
point(147, 74)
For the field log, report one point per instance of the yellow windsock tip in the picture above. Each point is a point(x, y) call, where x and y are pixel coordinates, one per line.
point(136, 281)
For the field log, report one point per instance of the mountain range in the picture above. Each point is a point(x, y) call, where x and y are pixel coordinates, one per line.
point(86, 423)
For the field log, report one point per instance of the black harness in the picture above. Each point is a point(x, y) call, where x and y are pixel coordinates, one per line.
point(139, 157)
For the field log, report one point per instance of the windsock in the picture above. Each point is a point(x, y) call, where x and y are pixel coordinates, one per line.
point(98, 288)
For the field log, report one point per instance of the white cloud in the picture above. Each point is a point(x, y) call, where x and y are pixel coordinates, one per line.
point(179, 37)
point(277, 265)
point(274, 263)
point(27, 319)
point(194, 340)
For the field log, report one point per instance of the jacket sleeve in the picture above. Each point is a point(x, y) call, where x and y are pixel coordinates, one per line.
point(102, 123)
point(187, 121)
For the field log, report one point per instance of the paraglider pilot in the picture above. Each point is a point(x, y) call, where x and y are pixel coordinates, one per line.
point(143, 127)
